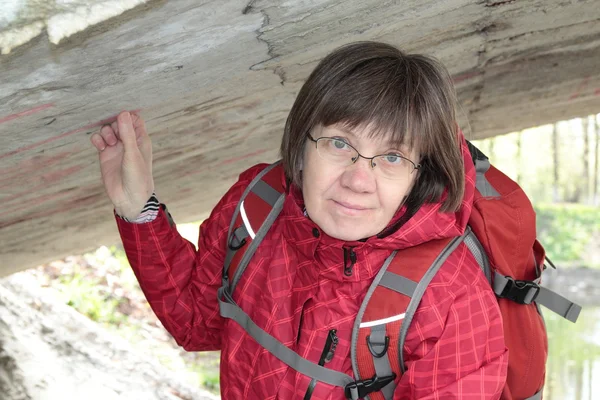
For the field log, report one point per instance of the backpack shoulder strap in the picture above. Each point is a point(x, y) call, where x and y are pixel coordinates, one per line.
point(256, 211)
point(386, 313)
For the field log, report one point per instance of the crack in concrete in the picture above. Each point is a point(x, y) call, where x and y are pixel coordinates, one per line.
point(248, 7)
point(279, 71)
point(498, 3)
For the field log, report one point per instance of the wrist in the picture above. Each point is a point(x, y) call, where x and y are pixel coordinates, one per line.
point(147, 213)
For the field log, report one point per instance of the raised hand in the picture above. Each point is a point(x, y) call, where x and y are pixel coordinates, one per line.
point(125, 153)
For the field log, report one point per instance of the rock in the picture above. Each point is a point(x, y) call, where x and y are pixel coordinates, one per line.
point(49, 351)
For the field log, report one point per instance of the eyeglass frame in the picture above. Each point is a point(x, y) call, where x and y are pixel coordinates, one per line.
point(316, 141)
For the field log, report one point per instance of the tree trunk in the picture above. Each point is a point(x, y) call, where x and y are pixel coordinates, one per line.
point(597, 137)
point(586, 160)
point(555, 196)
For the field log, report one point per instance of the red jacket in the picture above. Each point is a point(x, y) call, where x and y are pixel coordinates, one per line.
point(295, 289)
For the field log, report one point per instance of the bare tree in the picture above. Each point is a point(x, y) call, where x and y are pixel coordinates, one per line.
point(586, 159)
point(597, 137)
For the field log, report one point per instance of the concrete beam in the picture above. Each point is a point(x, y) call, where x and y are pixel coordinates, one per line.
point(215, 80)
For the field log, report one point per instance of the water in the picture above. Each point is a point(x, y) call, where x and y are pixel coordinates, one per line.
point(573, 369)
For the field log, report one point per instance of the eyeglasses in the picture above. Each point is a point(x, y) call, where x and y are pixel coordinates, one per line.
point(340, 152)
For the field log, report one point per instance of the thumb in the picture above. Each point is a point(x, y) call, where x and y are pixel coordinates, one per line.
point(126, 131)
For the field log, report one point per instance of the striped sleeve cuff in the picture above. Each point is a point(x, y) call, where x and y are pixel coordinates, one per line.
point(149, 212)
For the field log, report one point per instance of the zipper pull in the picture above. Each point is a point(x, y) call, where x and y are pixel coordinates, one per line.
point(351, 255)
point(326, 355)
point(330, 346)
point(333, 339)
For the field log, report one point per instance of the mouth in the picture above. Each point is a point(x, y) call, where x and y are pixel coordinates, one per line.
point(349, 206)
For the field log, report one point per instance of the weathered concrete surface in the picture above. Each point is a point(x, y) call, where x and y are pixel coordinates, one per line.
point(215, 80)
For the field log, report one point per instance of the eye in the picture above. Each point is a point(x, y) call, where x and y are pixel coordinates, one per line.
point(339, 144)
point(393, 158)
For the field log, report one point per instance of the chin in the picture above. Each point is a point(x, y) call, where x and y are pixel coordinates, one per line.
point(348, 234)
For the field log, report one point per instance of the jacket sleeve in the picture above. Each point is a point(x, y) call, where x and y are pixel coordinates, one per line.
point(179, 282)
point(458, 351)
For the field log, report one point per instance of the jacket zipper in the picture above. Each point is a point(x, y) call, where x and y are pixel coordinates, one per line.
point(326, 356)
point(349, 260)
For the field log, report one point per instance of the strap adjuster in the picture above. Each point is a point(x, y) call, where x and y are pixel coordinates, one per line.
point(238, 239)
point(522, 292)
point(359, 389)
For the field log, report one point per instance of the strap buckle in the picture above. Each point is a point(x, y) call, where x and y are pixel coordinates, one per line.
point(522, 292)
point(238, 239)
point(359, 389)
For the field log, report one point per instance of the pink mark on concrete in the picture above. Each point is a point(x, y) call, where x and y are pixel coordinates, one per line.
point(34, 202)
point(240, 158)
point(465, 75)
point(46, 180)
point(580, 88)
point(52, 139)
point(27, 112)
point(40, 214)
point(597, 92)
point(26, 167)
point(225, 162)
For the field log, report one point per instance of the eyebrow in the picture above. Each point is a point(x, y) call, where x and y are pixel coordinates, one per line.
point(403, 146)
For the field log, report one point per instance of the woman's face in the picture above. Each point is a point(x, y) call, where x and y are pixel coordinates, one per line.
point(352, 202)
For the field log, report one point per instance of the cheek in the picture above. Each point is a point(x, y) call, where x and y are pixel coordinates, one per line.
point(391, 198)
point(318, 181)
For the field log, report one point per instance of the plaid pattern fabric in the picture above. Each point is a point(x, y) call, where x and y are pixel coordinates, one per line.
point(295, 289)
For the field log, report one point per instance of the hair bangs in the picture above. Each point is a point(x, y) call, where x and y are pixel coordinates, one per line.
point(378, 98)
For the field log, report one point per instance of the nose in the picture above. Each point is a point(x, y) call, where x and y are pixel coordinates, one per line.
point(359, 177)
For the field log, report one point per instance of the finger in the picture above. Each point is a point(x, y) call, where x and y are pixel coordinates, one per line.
point(98, 142)
point(115, 127)
point(138, 121)
point(108, 135)
point(126, 131)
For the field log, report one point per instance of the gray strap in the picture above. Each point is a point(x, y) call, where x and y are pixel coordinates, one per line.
point(557, 303)
point(361, 312)
point(537, 396)
point(260, 234)
point(263, 190)
point(278, 349)
point(398, 283)
point(476, 249)
point(421, 287)
point(236, 212)
point(481, 182)
point(382, 364)
point(546, 297)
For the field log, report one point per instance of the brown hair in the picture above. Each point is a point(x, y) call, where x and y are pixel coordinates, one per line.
point(409, 96)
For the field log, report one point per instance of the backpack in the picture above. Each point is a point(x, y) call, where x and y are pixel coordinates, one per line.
point(501, 235)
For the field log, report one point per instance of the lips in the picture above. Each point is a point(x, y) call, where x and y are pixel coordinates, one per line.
point(351, 206)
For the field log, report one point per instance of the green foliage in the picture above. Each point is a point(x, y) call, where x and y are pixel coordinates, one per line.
point(88, 290)
point(208, 378)
point(565, 230)
point(83, 295)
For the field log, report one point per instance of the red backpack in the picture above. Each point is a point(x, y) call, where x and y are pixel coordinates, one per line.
point(501, 235)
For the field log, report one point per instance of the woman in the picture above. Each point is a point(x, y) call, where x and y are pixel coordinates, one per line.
point(372, 162)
